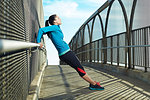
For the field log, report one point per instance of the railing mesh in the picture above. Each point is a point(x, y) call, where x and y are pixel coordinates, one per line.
point(20, 21)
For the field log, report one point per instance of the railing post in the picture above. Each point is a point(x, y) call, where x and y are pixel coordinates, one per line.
point(82, 54)
point(133, 43)
point(129, 54)
point(129, 32)
point(98, 51)
point(126, 51)
point(128, 38)
point(118, 50)
point(145, 43)
point(90, 52)
point(104, 42)
point(111, 50)
point(94, 51)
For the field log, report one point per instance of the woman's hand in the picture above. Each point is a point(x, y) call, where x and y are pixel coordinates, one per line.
point(41, 45)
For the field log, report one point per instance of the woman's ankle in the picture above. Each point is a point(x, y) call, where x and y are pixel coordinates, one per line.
point(88, 79)
point(94, 83)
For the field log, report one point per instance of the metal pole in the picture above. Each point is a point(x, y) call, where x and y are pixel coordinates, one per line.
point(12, 45)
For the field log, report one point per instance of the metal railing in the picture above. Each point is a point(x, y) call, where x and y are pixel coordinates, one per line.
point(20, 58)
point(113, 36)
point(11, 45)
point(117, 51)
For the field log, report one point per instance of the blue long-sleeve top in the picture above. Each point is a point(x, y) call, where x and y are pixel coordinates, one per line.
point(56, 36)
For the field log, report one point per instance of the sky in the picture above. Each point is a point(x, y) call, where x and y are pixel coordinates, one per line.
point(73, 14)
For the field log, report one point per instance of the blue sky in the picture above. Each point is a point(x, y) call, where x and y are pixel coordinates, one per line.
point(73, 14)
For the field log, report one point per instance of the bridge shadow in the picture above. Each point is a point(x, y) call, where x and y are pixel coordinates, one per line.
point(63, 83)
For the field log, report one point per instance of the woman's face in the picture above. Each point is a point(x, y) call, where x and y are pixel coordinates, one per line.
point(57, 21)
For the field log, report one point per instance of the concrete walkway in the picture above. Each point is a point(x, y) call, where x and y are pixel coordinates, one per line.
point(63, 83)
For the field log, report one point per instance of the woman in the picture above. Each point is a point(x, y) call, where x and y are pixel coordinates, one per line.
point(65, 54)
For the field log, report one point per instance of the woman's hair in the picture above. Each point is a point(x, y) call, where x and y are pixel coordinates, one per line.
point(50, 20)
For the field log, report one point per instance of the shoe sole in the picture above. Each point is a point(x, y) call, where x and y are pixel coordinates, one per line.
point(95, 88)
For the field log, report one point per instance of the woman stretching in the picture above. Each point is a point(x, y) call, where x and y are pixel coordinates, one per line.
point(65, 54)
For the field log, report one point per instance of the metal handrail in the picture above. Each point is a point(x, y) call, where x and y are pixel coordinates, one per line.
point(133, 46)
point(12, 45)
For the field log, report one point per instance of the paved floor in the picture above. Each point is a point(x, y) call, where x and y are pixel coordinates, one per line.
point(63, 83)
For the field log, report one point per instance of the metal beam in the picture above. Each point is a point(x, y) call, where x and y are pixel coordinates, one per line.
point(12, 45)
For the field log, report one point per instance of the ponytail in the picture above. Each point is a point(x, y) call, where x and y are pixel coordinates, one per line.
point(51, 22)
point(47, 23)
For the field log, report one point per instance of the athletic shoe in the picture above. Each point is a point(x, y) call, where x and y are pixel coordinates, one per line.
point(96, 87)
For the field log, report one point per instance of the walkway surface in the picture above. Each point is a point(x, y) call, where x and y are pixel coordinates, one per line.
point(63, 83)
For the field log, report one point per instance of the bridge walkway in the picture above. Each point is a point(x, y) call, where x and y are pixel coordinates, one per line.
point(61, 82)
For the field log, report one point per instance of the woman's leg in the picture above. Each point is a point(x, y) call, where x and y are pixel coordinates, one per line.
point(73, 61)
point(88, 79)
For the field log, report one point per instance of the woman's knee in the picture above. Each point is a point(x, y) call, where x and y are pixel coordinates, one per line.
point(81, 71)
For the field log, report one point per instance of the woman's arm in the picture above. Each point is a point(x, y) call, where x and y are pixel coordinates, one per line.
point(45, 30)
